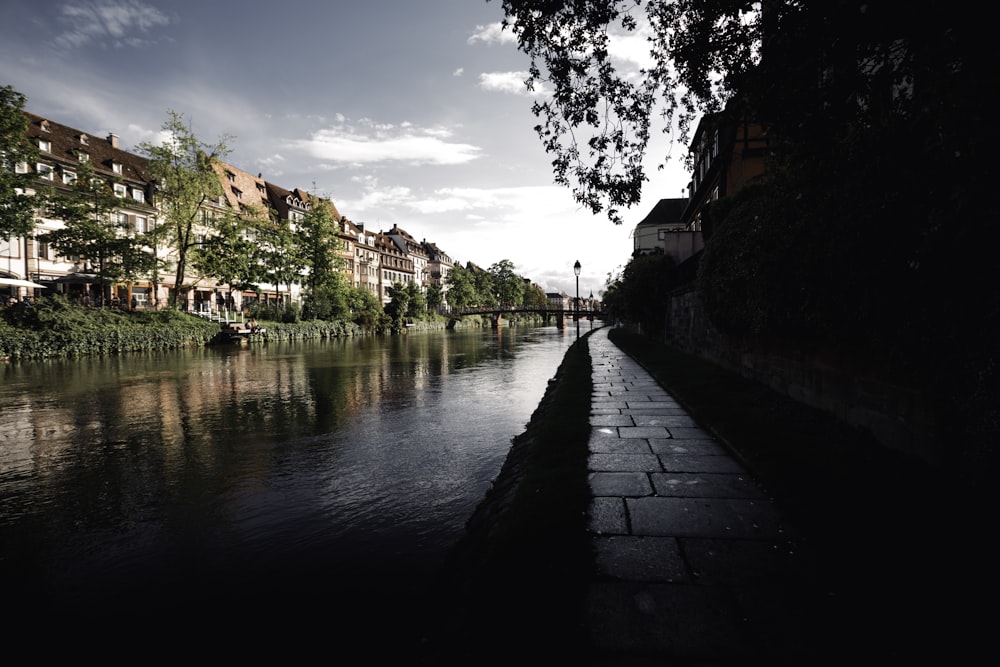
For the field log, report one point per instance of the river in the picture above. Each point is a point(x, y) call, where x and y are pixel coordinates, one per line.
point(257, 481)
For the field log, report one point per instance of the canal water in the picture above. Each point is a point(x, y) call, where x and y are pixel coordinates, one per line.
point(298, 484)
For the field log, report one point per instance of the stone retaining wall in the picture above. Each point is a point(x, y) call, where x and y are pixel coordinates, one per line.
point(902, 417)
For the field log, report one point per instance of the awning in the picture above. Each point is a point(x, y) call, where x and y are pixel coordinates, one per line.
point(16, 282)
point(78, 278)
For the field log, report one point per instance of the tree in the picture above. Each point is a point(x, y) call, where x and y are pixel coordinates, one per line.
point(482, 281)
point(399, 304)
point(95, 231)
point(508, 287)
point(815, 73)
point(535, 297)
point(317, 237)
point(365, 308)
point(185, 179)
point(416, 302)
point(229, 254)
point(461, 288)
point(17, 204)
point(639, 296)
point(281, 254)
point(435, 296)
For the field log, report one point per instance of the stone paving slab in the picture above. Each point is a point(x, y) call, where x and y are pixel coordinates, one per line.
point(615, 462)
point(667, 421)
point(607, 516)
point(703, 517)
point(699, 463)
point(679, 446)
point(650, 559)
point(621, 484)
point(611, 420)
point(602, 445)
point(704, 485)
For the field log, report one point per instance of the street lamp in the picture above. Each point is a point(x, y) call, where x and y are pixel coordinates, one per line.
point(576, 271)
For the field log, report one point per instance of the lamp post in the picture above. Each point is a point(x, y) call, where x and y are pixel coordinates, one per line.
point(576, 271)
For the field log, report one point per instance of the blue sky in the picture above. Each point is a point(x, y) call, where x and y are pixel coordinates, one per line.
point(402, 112)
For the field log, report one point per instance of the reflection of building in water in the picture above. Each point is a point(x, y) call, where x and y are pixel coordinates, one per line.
point(182, 407)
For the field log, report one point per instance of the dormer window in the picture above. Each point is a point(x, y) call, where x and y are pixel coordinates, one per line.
point(116, 167)
point(69, 177)
point(231, 176)
point(45, 126)
point(138, 195)
point(83, 157)
point(45, 171)
point(119, 190)
point(45, 145)
point(238, 193)
point(84, 139)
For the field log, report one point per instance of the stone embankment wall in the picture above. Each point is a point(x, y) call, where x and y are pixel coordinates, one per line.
point(899, 416)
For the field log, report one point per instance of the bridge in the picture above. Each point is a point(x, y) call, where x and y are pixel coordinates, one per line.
point(559, 314)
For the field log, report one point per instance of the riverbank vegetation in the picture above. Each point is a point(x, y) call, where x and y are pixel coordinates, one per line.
point(54, 327)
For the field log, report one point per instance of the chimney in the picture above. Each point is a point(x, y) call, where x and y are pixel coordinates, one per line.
point(113, 140)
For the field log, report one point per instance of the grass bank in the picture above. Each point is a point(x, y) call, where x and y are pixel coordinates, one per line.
point(513, 589)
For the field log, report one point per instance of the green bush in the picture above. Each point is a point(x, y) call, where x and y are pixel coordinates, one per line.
point(54, 327)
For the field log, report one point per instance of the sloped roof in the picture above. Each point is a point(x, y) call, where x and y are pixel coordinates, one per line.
point(666, 212)
point(242, 189)
point(68, 143)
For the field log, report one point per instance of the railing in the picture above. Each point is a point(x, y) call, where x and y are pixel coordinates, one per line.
point(221, 316)
point(564, 312)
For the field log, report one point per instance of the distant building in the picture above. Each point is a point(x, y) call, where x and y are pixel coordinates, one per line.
point(650, 234)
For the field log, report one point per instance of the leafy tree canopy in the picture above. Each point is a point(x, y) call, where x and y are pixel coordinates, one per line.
point(17, 205)
point(182, 168)
point(816, 73)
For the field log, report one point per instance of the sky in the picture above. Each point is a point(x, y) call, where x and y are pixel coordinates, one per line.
point(401, 112)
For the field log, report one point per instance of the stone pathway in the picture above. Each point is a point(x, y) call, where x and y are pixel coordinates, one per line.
point(695, 564)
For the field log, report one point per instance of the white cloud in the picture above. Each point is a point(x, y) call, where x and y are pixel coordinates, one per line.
point(631, 49)
point(368, 142)
point(492, 34)
point(508, 82)
point(459, 72)
point(109, 22)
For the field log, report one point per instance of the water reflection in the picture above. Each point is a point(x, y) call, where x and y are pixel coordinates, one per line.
point(282, 465)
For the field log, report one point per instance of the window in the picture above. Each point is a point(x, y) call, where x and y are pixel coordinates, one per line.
point(45, 126)
point(84, 139)
point(45, 171)
point(69, 177)
point(116, 167)
point(138, 195)
point(43, 250)
point(238, 193)
point(231, 176)
point(141, 224)
point(21, 168)
point(121, 219)
point(84, 157)
point(45, 145)
point(119, 190)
